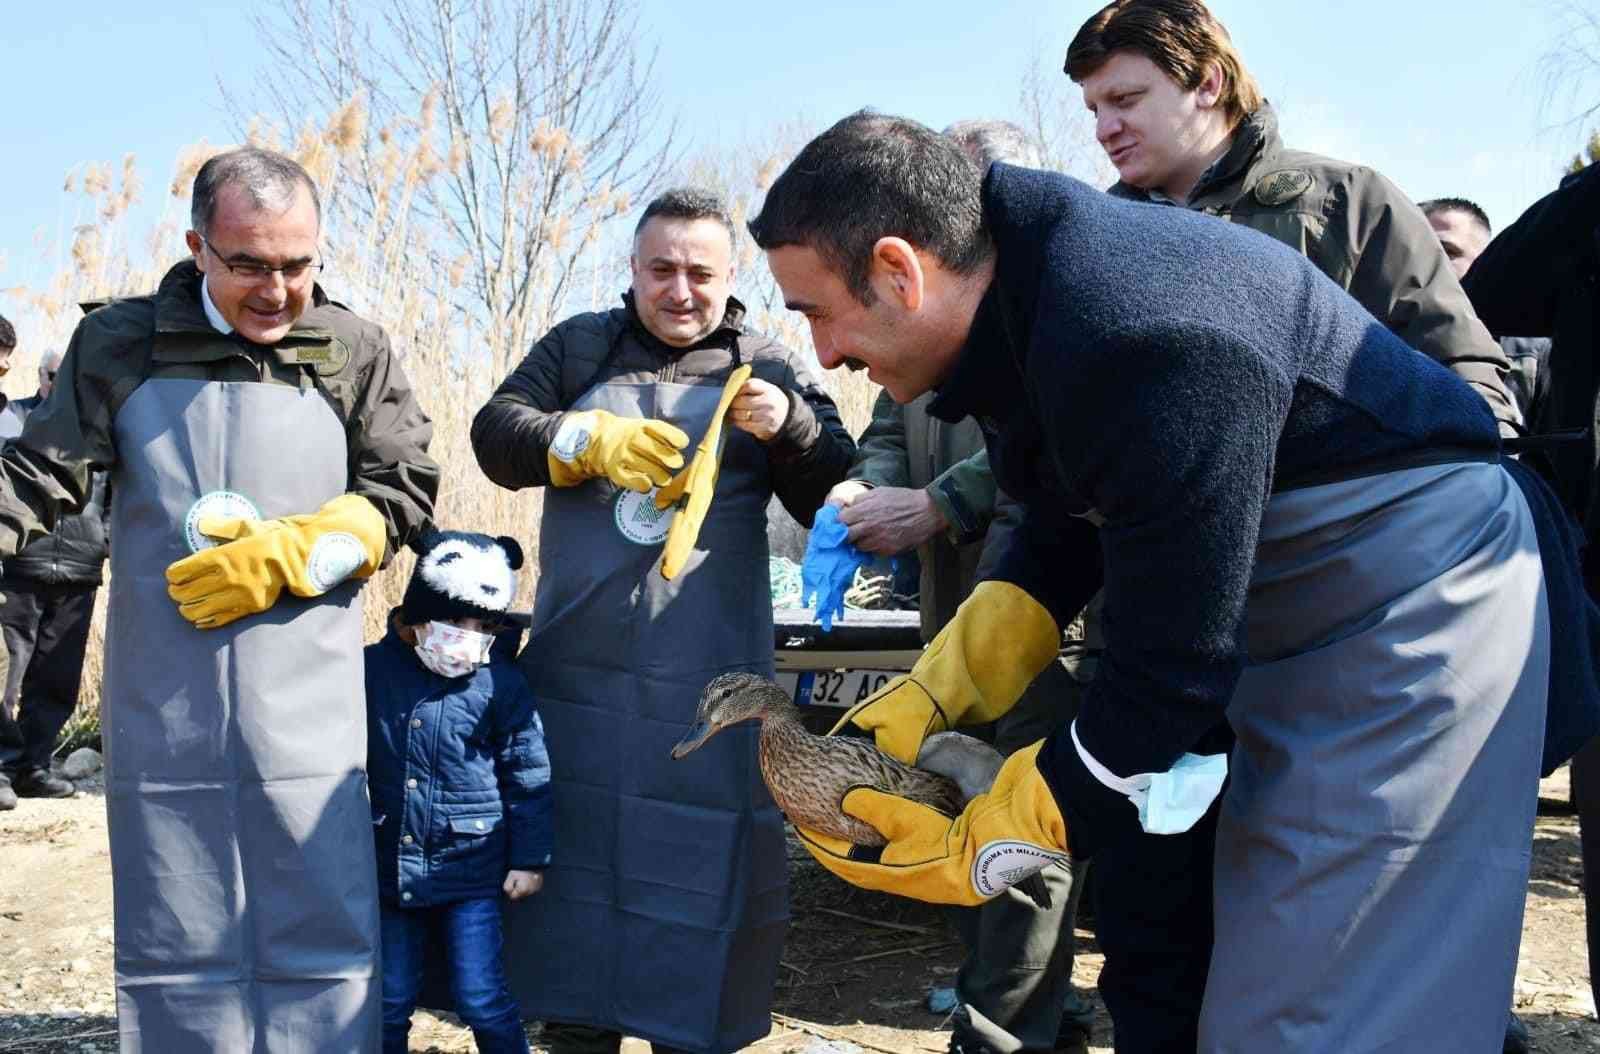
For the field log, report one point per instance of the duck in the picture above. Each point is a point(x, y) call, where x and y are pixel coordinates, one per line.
point(808, 775)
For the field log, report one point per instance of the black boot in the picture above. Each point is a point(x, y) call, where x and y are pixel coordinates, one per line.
point(42, 783)
point(8, 797)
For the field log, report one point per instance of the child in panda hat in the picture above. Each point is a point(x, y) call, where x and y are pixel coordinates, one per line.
point(456, 825)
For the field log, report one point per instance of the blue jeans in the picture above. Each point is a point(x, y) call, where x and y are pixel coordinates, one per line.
point(469, 931)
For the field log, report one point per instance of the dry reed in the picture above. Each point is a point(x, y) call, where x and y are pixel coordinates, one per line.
point(410, 287)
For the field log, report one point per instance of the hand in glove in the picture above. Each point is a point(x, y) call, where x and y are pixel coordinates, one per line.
point(1002, 837)
point(691, 489)
point(973, 671)
point(633, 452)
point(308, 555)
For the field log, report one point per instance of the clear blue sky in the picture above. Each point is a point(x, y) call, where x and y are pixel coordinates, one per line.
point(1443, 96)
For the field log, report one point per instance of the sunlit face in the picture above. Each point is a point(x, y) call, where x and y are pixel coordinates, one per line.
point(846, 332)
point(1462, 236)
point(1157, 134)
point(260, 308)
point(682, 278)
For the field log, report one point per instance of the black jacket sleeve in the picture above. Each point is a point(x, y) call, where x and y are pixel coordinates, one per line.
point(1516, 284)
point(511, 435)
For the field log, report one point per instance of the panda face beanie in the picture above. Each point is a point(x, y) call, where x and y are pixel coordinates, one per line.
point(460, 574)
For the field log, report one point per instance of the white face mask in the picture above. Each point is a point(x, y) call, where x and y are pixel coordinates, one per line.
point(451, 651)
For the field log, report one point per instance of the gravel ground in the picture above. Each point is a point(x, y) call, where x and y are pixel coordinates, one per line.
point(855, 968)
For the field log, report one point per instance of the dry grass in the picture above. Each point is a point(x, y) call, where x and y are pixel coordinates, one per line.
point(397, 280)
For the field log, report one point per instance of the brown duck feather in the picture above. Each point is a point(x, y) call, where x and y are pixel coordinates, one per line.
point(809, 775)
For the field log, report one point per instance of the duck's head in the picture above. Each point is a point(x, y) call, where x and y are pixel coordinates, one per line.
point(727, 700)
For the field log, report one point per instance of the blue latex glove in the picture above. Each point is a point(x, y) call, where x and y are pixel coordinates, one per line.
point(829, 566)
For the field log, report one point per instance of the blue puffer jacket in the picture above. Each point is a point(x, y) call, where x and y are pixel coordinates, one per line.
point(459, 777)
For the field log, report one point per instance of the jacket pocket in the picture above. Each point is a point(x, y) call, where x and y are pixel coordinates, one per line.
point(474, 826)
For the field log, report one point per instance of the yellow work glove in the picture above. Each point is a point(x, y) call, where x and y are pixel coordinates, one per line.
point(1002, 837)
point(308, 555)
point(973, 671)
point(633, 452)
point(691, 489)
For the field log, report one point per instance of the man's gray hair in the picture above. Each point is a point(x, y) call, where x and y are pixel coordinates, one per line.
point(268, 178)
point(688, 203)
point(989, 141)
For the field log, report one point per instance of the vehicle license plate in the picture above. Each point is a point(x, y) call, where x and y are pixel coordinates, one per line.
point(842, 688)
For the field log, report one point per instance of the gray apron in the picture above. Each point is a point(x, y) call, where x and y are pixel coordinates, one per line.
point(241, 842)
point(1399, 648)
point(664, 912)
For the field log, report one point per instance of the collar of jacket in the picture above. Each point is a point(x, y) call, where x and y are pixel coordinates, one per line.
point(178, 307)
point(1255, 142)
point(729, 329)
point(1018, 203)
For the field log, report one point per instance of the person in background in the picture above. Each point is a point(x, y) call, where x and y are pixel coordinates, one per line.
point(448, 710)
point(48, 602)
point(1539, 276)
point(1464, 231)
point(921, 484)
point(668, 902)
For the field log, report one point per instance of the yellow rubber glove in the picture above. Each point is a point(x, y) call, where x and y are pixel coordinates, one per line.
point(1001, 838)
point(691, 489)
point(975, 670)
point(308, 555)
point(633, 452)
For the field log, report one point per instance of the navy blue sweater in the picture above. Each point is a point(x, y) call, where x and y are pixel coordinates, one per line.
point(459, 777)
point(1162, 373)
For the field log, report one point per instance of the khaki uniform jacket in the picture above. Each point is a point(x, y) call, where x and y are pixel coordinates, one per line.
point(45, 471)
point(1362, 232)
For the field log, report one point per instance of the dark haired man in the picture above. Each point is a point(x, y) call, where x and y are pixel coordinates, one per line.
point(1303, 526)
point(668, 898)
point(267, 454)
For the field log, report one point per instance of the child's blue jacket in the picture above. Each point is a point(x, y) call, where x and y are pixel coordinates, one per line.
point(459, 777)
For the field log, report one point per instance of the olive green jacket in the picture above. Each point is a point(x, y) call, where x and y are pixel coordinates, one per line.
point(44, 472)
point(904, 446)
point(1361, 231)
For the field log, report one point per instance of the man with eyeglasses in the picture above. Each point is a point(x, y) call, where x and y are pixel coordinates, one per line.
point(48, 597)
point(267, 453)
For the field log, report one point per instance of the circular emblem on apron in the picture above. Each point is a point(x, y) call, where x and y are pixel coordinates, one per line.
point(220, 504)
point(1000, 865)
point(334, 557)
point(638, 519)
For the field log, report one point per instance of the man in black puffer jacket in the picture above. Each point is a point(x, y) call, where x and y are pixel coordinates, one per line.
point(49, 589)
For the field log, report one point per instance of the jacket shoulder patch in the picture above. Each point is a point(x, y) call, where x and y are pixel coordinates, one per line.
point(1280, 188)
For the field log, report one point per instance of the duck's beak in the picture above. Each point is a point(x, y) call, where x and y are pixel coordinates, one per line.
point(697, 734)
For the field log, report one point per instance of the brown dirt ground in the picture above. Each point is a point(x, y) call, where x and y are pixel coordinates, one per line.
point(855, 968)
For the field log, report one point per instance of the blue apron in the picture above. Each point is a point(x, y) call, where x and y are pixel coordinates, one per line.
point(664, 913)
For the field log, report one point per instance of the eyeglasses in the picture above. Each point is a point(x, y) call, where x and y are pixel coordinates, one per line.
point(254, 271)
point(49, 375)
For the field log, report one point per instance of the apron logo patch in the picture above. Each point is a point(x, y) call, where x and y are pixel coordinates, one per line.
point(572, 439)
point(219, 504)
point(1280, 188)
point(638, 519)
point(1000, 865)
point(334, 558)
